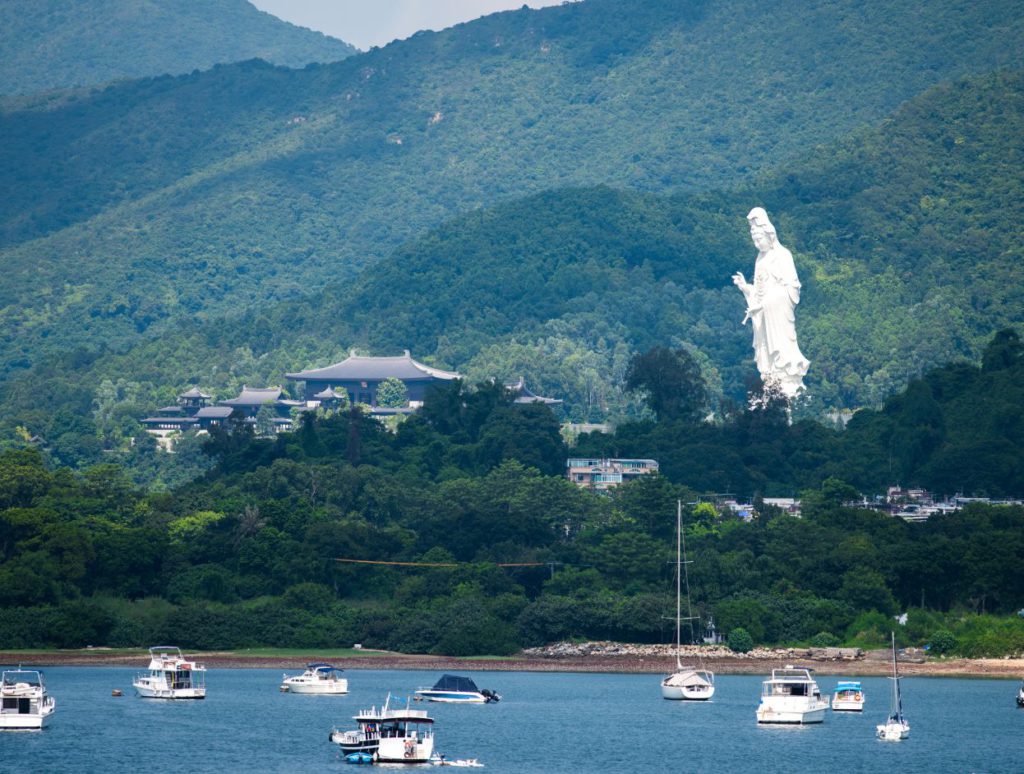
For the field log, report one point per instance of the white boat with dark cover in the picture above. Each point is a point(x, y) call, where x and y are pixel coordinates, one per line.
point(389, 735)
point(320, 679)
point(687, 683)
point(895, 728)
point(24, 702)
point(849, 697)
point(171, 676)
point(791, 697)
point(454, 689)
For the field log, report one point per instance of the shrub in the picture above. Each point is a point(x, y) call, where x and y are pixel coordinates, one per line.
point(740, 641)
point(825, 640)
point(942, 642)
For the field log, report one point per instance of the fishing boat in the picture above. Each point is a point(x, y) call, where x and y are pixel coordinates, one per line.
point(24, 702)
point(687, 683)
point(171, 676)
point(454, 689)
point(321, 679)
point(896, 727)
point(1020, 695)
point(388, 736)
point(791, 696)
point(849, 697)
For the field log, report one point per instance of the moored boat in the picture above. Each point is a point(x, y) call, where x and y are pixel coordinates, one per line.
point(1020, 696)
point(454, 689)
point(792, 697)
point(24, 702)
point(171, 676)
point(895, 728)
point(321, 679)
point(388, 735)
point(849, 697)
point(687, 683)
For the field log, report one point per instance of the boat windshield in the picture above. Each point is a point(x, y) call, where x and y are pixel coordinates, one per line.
point(29, 678)
point(456, 683)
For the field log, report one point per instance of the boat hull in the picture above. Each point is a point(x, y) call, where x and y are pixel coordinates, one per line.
point(337, 688)
point(24, 722)
point(839, 705)
point(892, 732)
point(150, 692)
point(405, 750)
point(453, 697)
point(686, 693)
point(791, 717)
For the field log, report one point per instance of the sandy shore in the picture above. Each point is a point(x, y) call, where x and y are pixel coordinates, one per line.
point(865, 667)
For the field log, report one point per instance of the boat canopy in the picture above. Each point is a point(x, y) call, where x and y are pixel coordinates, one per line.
point(323, 668)
point(848, 686)
point(456, 683)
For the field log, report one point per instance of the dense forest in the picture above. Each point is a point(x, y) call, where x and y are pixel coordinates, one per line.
point(130, 208)
point(905, 236)
point(246, 555)
point(49, 44)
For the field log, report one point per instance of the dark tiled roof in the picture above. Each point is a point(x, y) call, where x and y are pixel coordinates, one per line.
point(523, 395)
point(168, 421)
point(254, 396)
point(194, 393)
point(214, 412)
point(169, 410)
point(361, 368)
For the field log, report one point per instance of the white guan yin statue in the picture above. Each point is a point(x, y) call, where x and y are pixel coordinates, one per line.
point(771, 303)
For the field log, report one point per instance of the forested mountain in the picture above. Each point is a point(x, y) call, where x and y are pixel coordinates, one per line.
point(130, 208)
point(906, 237)
point(52, 44)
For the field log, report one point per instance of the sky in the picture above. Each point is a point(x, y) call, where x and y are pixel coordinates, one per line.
point(365, 23)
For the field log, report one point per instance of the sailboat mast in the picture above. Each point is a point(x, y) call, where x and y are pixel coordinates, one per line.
point(686, 572)
point(679, 574)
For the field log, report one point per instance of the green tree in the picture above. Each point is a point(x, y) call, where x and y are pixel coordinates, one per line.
point(671, 382)
point(740, 641)
point(392, 393)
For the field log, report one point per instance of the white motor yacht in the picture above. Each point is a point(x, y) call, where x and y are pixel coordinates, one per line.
point(849, 697)
point(687, 683)
point(791, 696)
point(389, 735)
point(24, 703)
point(320, 679)
point(895, 728)
point(171, 676)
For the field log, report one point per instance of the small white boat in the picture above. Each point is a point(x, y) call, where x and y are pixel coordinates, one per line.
point(390, 735)
point(171, 676)
point(895, 728)
point(320, 679)
point(454, 689)
point(686, 683)
point(791, 696)
point(849, 697)
point(24, 702)
point(1020, 696)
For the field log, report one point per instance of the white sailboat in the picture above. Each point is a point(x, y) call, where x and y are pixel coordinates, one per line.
point(896, 727)
point(686, 683)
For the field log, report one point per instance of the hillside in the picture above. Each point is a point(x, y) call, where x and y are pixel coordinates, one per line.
point(49, 44)
point(145, 203)
point(907, 238)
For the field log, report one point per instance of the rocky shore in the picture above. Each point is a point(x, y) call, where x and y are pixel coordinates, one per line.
point(572, 657)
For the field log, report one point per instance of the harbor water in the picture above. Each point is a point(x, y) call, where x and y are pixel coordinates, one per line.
point(546, 722)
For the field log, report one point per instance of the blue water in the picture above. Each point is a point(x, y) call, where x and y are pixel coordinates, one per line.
point(546, 722)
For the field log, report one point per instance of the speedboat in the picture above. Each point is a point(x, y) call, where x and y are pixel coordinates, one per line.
point(24, 703)
point(388, 735)
point(849, 697)
point(318, 678)
point(791, 696)
point(171, 676)
point(457, 690)
point(1020, 696)
point(895, 728)
point(686, 683)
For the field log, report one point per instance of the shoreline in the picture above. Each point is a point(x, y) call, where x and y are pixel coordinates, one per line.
point(736, 665)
